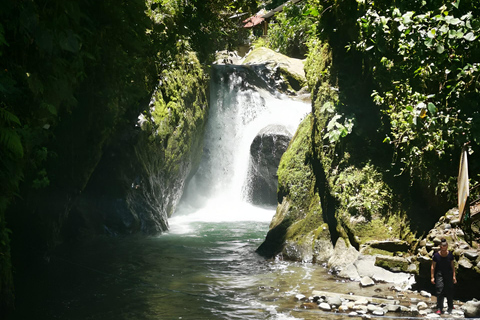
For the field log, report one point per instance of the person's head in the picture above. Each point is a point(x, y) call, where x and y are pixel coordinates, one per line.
point(443, 245)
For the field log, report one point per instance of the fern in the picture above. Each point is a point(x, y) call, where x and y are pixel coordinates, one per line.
point(10, 141)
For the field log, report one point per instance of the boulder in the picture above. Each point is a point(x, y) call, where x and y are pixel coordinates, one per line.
point(343, 255)
point(265, 152)
point(279, 71)
point(472, 309)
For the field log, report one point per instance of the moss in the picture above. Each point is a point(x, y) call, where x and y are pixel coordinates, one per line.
point(396, 265)
point(172, 140)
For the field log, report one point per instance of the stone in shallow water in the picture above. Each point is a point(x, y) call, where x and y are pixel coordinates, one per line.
point(300, 297)
point(425, 294)
point(378, 312)
point(366, 282)
point(324, 306)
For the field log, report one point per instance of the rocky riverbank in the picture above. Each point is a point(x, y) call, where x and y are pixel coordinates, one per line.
point(393, 268)
point(388, 302)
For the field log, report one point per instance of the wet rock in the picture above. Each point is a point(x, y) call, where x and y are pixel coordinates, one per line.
point(334, 301)
point(422, 305)
point(425, 294)
point(392, 307)
point(472, 309)
point(395, 264)
point(324, 306)
point(366, 267)
point(342, 255)
point(432, 316)
point(472, 255)
point(378, 312)
point(343, 308)
point(455, 222)
point(465, 263)
point(366, 282)
point(300, 297)
point(266, 150)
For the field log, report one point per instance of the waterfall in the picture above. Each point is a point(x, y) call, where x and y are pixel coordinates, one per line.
point(239, 108)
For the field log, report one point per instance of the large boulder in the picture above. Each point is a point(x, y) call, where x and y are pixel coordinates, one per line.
point(279, 71)
point(265, 152)
point(472, 309)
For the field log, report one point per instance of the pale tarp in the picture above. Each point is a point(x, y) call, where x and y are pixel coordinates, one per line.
point(463, 186)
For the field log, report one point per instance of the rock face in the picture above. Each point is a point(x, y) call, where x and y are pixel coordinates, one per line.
point(265, 152)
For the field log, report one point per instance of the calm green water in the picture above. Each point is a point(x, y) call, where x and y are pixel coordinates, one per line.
point(199, 270)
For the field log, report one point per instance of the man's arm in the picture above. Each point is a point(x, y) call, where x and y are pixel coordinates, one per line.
point(432, 272)
point(453, 269)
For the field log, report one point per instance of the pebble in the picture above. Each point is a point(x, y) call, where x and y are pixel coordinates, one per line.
point(378, 312)
point(425, 294)
point(433, 316)
point(324, 306)
point(300, 297)
point(422, 305)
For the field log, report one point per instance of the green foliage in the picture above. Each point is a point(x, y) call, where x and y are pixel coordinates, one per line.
point(206, 25)
point(425, 66)
point(292, 28)
point(362, 192)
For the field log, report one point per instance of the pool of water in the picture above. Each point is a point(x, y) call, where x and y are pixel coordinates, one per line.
point(198, 270)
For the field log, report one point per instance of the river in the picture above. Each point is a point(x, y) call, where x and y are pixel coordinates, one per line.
point(202, 269)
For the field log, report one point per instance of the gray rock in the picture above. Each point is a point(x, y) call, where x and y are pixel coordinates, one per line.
point(300, 297)
point(472, 309)
point(432, 316)
point(425, 294)
point(465, 263)
point(334, 301)
point(366, 267)
point(455, 222)
point(342, 255)
point(324, 306)
point(378, 312)
point(372, 307)
point(392, 307)
point(366, 281)
point(472, 255)
point(422, 305)
point(266, 150)
point(447, 226)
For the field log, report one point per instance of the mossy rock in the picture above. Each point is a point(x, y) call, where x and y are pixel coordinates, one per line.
point(298, 229)
point(290, 70)
point(395, 264)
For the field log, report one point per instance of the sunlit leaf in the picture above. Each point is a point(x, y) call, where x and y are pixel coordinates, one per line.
point(469, 36)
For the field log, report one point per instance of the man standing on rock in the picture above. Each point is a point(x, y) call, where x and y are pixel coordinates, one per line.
point(443, 276)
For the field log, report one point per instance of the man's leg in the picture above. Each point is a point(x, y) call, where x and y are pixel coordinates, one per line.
point(439, 286)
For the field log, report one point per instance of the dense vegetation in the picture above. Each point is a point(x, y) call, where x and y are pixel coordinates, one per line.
point(75, 74)
point(408, 79)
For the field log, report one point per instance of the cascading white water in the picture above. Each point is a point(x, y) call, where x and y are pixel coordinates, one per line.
point(238, 111)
